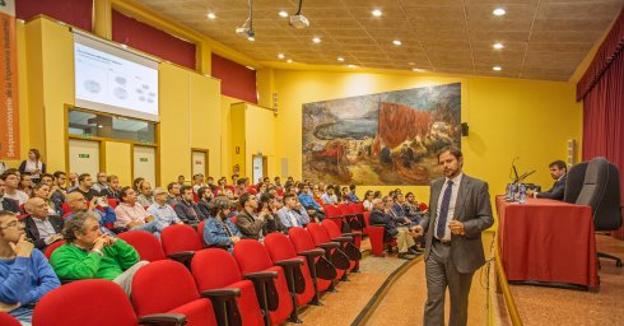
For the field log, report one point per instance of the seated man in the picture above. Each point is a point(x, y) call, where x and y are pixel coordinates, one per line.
point(146, 197)
point(250, 222)
point(403, 235)
point(174, 193)
point(290, 215)
point(558, 171)
point(11, 183)
point(163, 213)
point(7, 204)
point(85, 187)
point(187, 209)
point(219, 230)
point(41, 228)
point(90, 254)
point(77, 203)
point(25, 275)
point(131, 214)
point(307, 200)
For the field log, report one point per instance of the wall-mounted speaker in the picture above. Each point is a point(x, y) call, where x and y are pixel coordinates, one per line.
point(464, 129)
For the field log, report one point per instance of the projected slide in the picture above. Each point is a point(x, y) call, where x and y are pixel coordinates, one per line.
point(114, 84)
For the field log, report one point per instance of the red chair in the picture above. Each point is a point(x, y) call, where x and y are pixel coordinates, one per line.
point(66, 209)
point(200, 232)
point(281, 251)
point(166, 286)
point(50, 249)
point(349, 242)
point(74, 304)
point(304, 245)
point(8, 320)
point(112, 202)
point(145, 243)
point(333, 251)
point(179, 242)
point(252, 257)
point(214, 269)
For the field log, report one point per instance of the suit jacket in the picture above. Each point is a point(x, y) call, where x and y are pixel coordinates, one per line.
point(557, 190)
point(249, 226)
point(474, 210)
point(33, 233)
point(11, 205)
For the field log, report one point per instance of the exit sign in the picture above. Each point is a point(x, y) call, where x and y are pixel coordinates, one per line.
point(83, 156)
point(143, 159)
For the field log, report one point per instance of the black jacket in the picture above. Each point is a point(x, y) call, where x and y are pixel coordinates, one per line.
point(388, 222)
point(557, 190)
point(11, 205)
point(189, 213)
point(33, 233)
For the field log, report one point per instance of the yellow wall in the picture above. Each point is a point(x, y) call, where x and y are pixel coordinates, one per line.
point(261, 138)
point(118, 157)
point(507, 118)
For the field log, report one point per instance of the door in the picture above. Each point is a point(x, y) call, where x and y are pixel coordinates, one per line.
point(144, 159)
point(259, 168)
point(199, 159)
point(84, 156)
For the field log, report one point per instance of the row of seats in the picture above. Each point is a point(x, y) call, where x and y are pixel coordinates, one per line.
point(257, 284)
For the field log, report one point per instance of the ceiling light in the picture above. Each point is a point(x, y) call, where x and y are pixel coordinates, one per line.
point(341, 59)
point(499, 12)
point(316, 39)
point(377, 13)
point(498, 46)
point(289, 61)
point(250, 67)
point(497, 68)
point(251, 38)
point(418, 70)
point(298, 20)
point(281, 56)
point(283, 13)
point(397, 42)
point(410, 63)
point(211, 16)
point(352, 66)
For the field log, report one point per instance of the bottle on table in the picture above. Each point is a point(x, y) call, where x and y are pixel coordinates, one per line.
point(522, 194)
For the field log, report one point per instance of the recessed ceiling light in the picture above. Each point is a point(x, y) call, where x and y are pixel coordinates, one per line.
point(250, 67)
point(316, 39)
point(281, 56)
point(352, 66)
point(499, 12)
point(341, 59)
point(498, 46)
point(289, 61)
point(418, 70)
point(497, 68)
point(211, 15)
point(283, 13)
point(251, 38)
point(376, 13)
point(410, 63)
point(397, 42)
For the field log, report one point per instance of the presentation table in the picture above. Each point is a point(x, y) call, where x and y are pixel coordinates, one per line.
point(547, 241)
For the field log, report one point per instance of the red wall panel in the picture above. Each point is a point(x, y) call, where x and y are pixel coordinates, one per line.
point(146, 38)
point(78, 13)
point(237, 80)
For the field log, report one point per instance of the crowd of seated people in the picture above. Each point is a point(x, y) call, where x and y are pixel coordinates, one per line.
point(88, 216)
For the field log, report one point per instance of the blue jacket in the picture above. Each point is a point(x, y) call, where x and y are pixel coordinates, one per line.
point(26, 279)
point(215, 233)
point(308, 202)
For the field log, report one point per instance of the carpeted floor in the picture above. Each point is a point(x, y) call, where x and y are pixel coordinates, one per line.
point(550, 306)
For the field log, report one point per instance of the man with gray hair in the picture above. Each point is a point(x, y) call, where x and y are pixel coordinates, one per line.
point(89, 253)
point(393, 227)
point(41, 228)
point(164, 215)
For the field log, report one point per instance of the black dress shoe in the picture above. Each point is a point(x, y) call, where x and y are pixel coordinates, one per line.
point(406, 256)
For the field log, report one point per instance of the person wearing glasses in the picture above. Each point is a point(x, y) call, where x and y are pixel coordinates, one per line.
point(25, 275)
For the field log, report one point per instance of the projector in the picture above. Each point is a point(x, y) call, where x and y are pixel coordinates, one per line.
point(299, 21)
point(244, 30)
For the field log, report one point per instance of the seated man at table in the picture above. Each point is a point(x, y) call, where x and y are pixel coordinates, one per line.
point(558, 171)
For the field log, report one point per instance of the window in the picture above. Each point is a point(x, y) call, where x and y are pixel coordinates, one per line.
point(90, 124)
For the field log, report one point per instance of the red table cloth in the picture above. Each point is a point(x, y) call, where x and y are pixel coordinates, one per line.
point(548, 241)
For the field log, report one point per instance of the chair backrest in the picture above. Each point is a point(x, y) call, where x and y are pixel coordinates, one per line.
point(200, 232)
point(50, 249)
point(343, 209)
point(330, 211)
point(74, 304)
point(279, 247)
point(318, 233)
point(161, 286)
point(8, 320)
point(214, 268)
point(574, 182)
point(301, 239)
point(145, 243)
point(331, 228)
point(251, 256)
point(179, 237)
point(594, 183)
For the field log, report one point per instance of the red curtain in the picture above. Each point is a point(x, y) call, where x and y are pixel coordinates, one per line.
point(151, 40)
point(74, 12)
point(602, 91)
point(237, 80)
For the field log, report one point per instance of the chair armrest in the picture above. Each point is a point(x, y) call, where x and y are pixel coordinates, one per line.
point(329, 245)
point(378, 224)
point(67, 281)
point(260, 275)
point(293, 262)
point(181, 256)
point(312, 252)
point(163, 319)
point(342, 239)
point(352, 234)
point(224, 293)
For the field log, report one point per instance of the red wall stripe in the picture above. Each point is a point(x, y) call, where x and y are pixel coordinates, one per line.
point(237, 80)
point(149, 39)
point(78, 13)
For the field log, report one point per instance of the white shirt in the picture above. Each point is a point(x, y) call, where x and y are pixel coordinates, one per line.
point(451, 209)
point(19, 195)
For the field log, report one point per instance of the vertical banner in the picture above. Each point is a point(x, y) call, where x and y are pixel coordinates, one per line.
point(9, 111)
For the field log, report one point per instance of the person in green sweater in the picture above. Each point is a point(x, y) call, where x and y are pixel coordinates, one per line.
point(90, 254)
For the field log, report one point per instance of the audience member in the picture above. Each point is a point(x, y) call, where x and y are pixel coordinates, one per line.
point(145, 197)
point(42, 191)
point(219, 230)
point(59, 190)
point(101, 183)
point(11, 191)
point(173, 196)
point(248, 221)
point(77, 204)
point(164, 214)
point(7, 204)
point(267, 213)
point(85, 184)
point(72, 180)
point(33, 165)
point(114, 187)
point(368, 200)
point(131, 214)
point(403, 235)
point(136, 184)
point(187, 209)
point(329, 197)
point(41, 227)
point(289, 215)
point(181, 180)
point(205, 197)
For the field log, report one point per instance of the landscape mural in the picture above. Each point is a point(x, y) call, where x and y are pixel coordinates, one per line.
point(381, 139)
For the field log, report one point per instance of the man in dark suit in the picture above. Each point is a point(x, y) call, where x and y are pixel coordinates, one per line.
point(41, 228)
point(459, 210)
point(559, 172)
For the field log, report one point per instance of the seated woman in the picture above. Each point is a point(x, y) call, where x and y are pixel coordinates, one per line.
point(219, 231)
point(368, 200)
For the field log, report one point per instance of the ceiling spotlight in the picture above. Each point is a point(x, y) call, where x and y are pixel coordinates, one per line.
point(397, 42)
point(289, 61)
point(499, 12)
point(251, 38)
point(418, 70)
point(352, 66)
point(246, 29)
point(341, 59)
point(498, 46)
point(497, 68)
point(281, 56)
point(298, 20)
point(410, 63)
point(283, 13)
point(316, 40)
point(250, 67)
point(211, 16)
point(377, 13)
